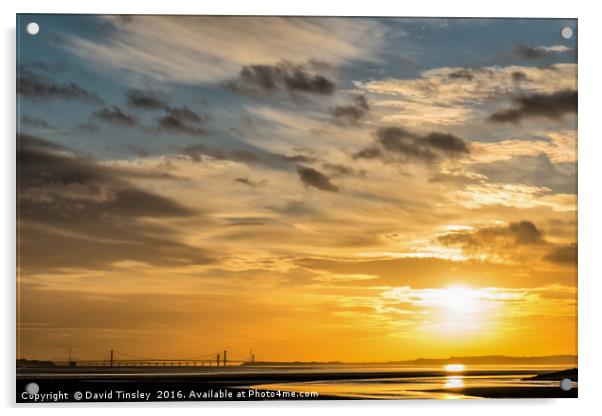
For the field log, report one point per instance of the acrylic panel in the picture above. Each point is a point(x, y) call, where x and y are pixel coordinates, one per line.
point(295, 208)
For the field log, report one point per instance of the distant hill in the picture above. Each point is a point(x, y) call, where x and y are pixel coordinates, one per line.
point(293, 363)
point(34, 363)
point(569, 360)
point(495, 359)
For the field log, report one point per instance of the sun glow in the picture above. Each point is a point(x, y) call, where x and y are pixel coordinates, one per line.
point(459, 299)
point(454, 368)
point(460, 310)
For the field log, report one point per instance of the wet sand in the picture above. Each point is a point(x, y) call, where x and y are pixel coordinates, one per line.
point(210, 383)
point(508, 392)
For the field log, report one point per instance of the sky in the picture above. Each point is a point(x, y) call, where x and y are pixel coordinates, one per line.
point(352, 189)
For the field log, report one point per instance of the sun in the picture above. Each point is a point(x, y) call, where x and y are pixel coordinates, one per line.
point(454, 368)
point(457, 310)
point(455, 299)
point(460, 299)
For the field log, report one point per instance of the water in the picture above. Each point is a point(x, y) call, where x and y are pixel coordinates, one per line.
point(344, 380)
point(465, 383)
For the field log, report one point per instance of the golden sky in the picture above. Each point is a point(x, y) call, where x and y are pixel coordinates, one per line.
point(313, 189)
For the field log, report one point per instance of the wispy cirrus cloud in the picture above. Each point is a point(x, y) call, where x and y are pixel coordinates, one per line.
point(211, 48)
point(349, 171)
point(450, 96)
point(537, 170)
point(559, 146)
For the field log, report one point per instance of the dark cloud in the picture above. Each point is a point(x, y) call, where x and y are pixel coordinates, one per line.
point(182, 121)
point(176, 119)
point(285, 76)
point(352, 114)
point(59, 174)
point(521, 240)
point(248, 182)
point(35, 122)
point(171, 123)
point(244, 156)
point(457, 179)
point(553, 106)
point(185, 114)
point(529, 52)
point(342, 170)
point(338, 169)
point(35, 86)
point(535, 52)
point(525, 232)
point(464, 73)
point(114, 115)
point(312, 177)
point(74, 212)
point(147, 100)
point(397, 143)
point(292, 208)
point(563, 254)
point(518, 76)
point(256, 156)
point(88, 127)
point(532, 170)
point(493, 238)
point(371, 152)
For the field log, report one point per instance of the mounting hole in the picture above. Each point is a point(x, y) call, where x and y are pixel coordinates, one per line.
point(32, 28)
point(566, 384)
point(32, 388)
point(566, 32)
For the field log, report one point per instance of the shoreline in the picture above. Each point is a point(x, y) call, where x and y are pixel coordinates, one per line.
point(179, 384)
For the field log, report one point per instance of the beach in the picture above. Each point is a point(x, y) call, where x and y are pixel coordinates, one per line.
point(341, 382)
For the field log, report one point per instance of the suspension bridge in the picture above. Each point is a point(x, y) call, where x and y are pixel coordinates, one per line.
point(116, 358)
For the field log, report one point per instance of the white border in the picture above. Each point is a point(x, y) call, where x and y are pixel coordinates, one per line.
point(590, 207)
point(458, 8)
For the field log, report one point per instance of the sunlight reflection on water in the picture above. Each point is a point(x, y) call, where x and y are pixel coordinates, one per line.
point(452, 385)
point(454, 382)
